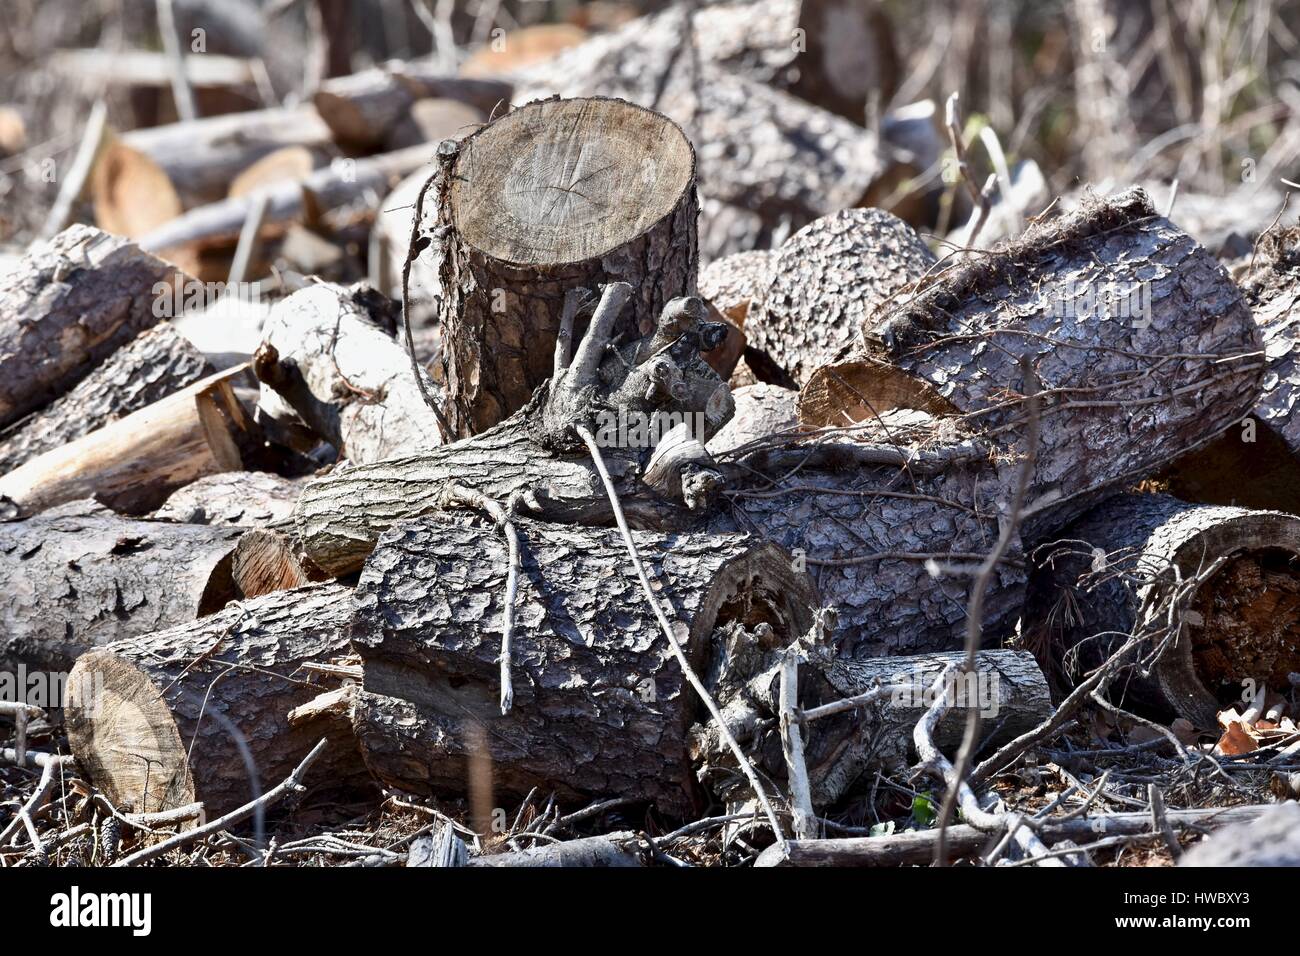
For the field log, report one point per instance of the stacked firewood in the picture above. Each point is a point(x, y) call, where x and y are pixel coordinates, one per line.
point(578, 514)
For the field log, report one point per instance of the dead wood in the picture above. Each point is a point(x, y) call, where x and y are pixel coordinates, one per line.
point(247, 499)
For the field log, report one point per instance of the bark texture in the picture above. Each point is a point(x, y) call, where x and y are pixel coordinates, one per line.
point(826, 281)
point(164, 714)
point(67, 306)
point(1115, 573)
point(558, 195)
point(761, 410)
point(247, 499)
point(1143, 347)
point(79, 577)
point(328, 360)
point(733, 282)
point(600, 704)
point(1272, 288)
point(155, 364)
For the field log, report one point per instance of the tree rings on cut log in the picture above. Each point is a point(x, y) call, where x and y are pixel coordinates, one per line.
point(559, 194)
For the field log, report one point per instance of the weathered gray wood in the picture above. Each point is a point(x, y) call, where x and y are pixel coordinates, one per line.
point(328, 359)
point(610, 850)
point(79, 577)
point(600, 704)
point(164, 714)
point(1113, 574)
point(761, 410)
point(69, 305)
point(824, 283)
point(245, 499)
point(558, 195)
point(1271, 839)
point(152, 366)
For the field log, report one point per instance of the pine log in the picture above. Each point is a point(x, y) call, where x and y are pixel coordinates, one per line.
point(891, 524)
point(534, 461)
point(600, 704)
point(247, 499)
point(155, 364)
point(69, 305)
point(327, 194)
point(761, 410)
point(161, 719)
point(773, 161)
point(79, 577)
point(328, 362)
point(362, 109)
point(1114, 571)
point(1143, 347)
point(134, 463)
point(825, 282)
point(558, 195)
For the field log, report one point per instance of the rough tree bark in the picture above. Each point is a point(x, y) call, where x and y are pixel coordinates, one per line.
point(825, 282)
point(329, 360)
point(1117, 571)
point(1143, 347)
point(534, 461)
point(600, 704)
point(157, 721)
point(79, 576)
point(247, 499)
point(66, 307)
point(734, 282)
point(155, 364)
point(761, 410)
point(134, 463)
point(558, 195)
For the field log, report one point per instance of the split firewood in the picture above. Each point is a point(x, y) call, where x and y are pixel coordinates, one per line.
point(200, 712)
point(761, 410)
point(1101, 301)
point(332, 193)
point(734, 282)
point(246, 499)
point(134, 463)
point(1215, 592)
point(147, 369)
point(429, 635)
point(69, 305)
point(79, 576)
point(630, 396)
point(512, 233)
point(329, 360)
point(825, 282)
point(362, 109)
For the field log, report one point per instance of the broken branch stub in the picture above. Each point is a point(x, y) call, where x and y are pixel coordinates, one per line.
point(557, 195)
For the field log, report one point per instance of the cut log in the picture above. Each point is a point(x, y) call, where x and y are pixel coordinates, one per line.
point(1115, 571)
point(325, 195)
point(200, 712)
point(733, 282)
point(1142, 346)
point(69, 305)
point(328, 360)
point(1006, 688)
point(363, 108)
point(890, 523)
point(534, 459)
point(429, 607)
point(134, 463)
point(558, 195)
point(271, 559)
point(294, 163)
point(761, 410)
point(155, 364)
point(247, 499)
point(826, 281)
point(79, 577)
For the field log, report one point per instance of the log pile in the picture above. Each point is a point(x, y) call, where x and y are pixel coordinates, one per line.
point(538, 536)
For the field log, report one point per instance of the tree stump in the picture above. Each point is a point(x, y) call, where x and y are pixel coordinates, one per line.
point(557, 195)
